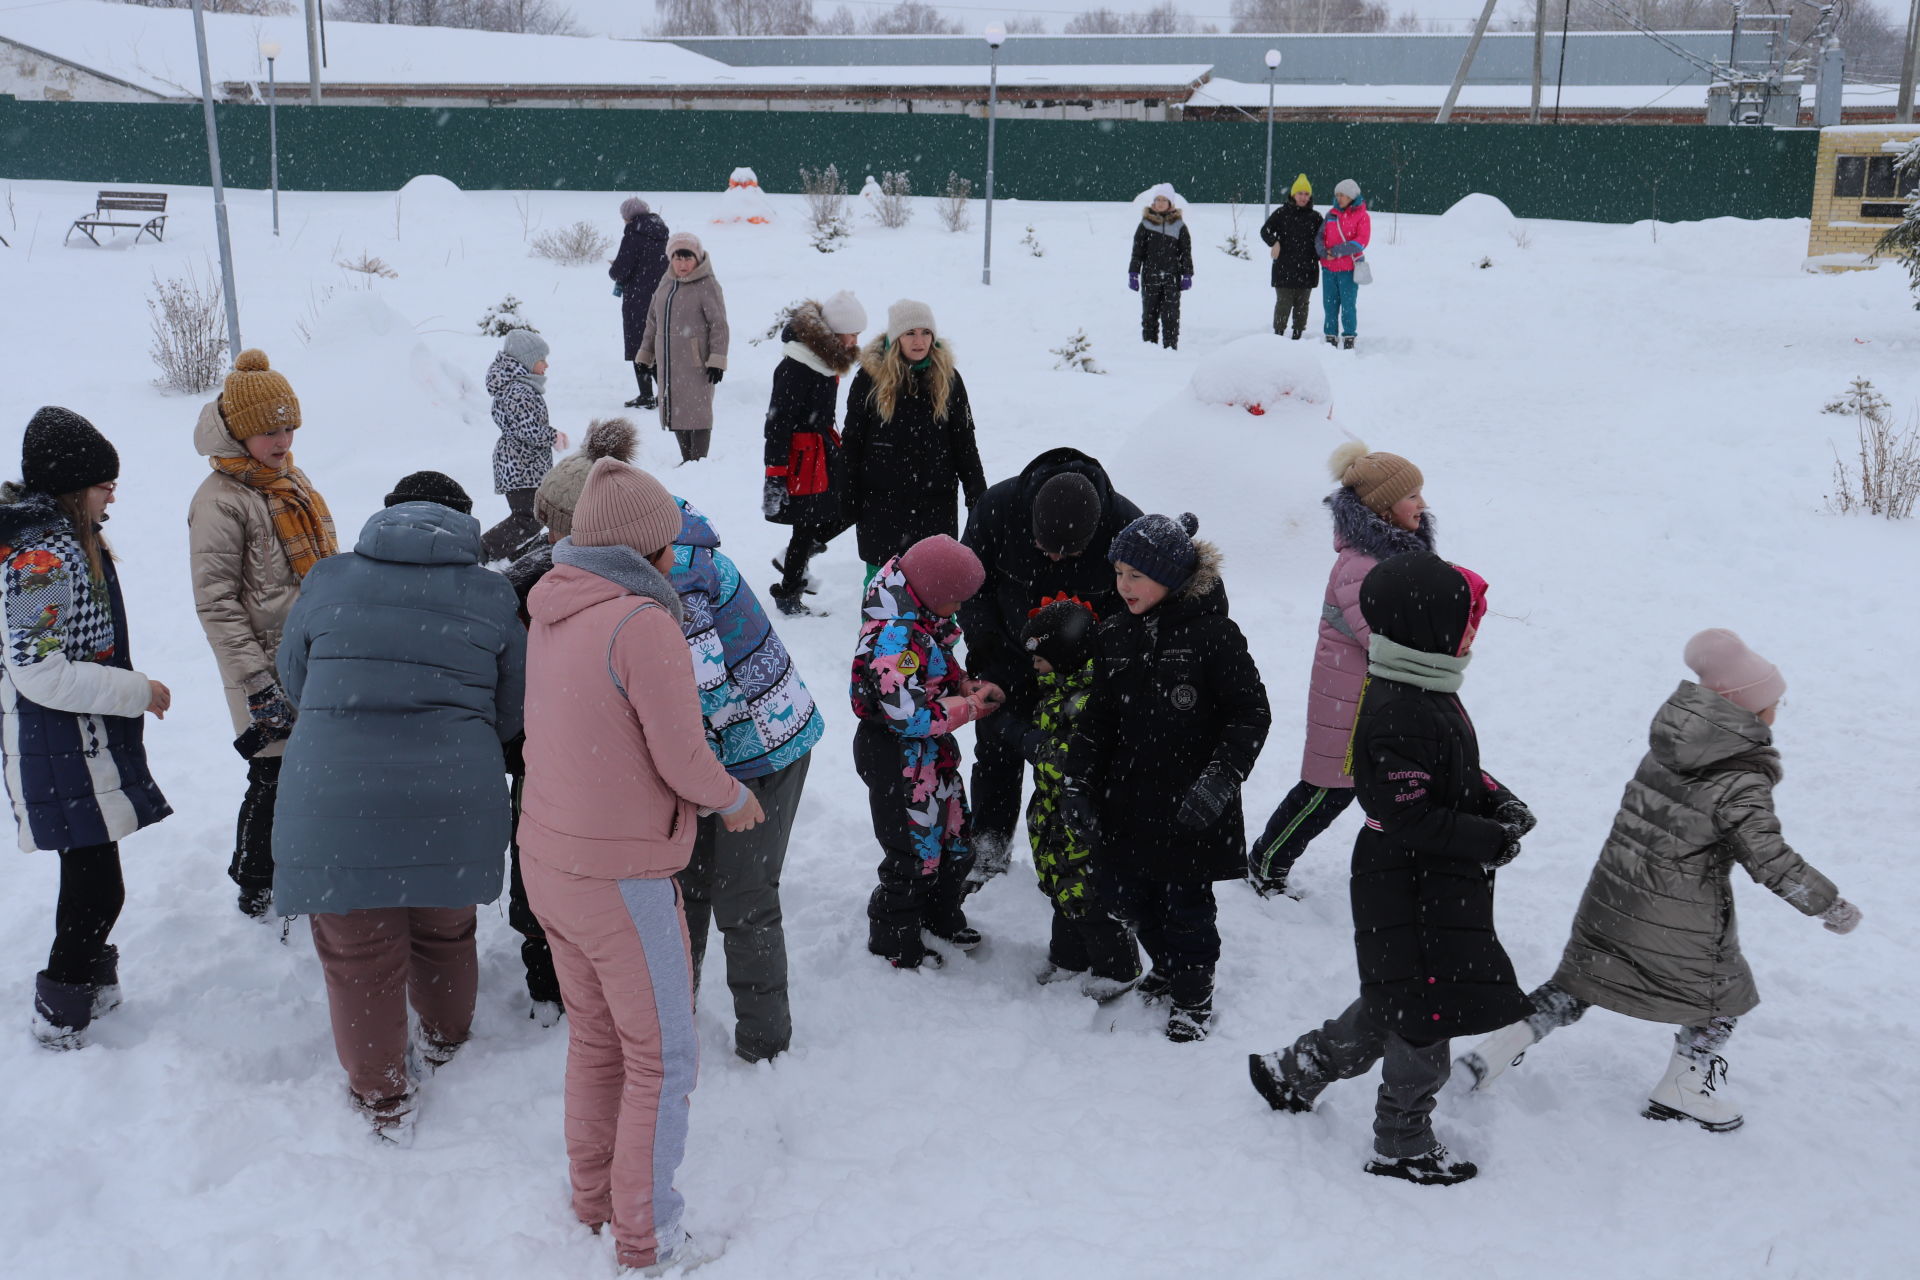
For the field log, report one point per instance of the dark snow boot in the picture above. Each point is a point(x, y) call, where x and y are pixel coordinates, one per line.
point(1264, 1070)
point(1190, 1022)
point(1434, 1169)
point(961, 936)
point(791, 604)
point(1297, 333)
point(1155, 987)
point(1332, 341)
point(106, 981)
point(1347, 342)
point(643, 377)
point(903, 959)
point(256, 901)
point(61, 1011)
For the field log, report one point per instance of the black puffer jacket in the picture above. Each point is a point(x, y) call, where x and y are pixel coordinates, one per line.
point(1161, 254)
point(637, 269)
point(1174, 690)
point(1297, 232)
point(901, 473)
point(1020, 575)
point(1431, 965)
point(802, 444)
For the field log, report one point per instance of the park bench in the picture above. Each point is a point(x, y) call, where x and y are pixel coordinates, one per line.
point(129, 205)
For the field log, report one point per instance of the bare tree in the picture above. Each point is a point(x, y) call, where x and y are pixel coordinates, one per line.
point(912, 18)
point(840, 22)
point(1309, 15)
point(1161, 20)
point(1866, 32)
point(247, 8)
point(526, 17)
point(735, 18)
point(1031, 24)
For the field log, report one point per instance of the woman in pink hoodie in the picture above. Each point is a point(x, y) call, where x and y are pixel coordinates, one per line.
point(618, 771)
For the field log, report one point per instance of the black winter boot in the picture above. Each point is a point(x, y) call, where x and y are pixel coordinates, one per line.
point(1347, 342)
point(1190, 1022)
point(1332, 341)
point(1154, 987)
point(792, 604)
point(643, 376)
point(105, 979)
point(1434, 1169)
point(1264, 1071)
point(61, 1011)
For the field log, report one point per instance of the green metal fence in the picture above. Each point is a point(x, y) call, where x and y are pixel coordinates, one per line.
point(1586, 173)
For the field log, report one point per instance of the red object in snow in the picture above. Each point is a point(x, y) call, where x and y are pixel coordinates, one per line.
point(1258, 411)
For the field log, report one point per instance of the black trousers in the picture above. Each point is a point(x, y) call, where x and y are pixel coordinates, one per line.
point(1095, 943)
point(1176, 923)
point(504, 540)
point(1291, 304)
point(91, 895)
point(801, 549)
point(1303, 814)
point(908, 897)
point(999, 774)
point(537, 957)
point(1160, 309)
point(252, 865)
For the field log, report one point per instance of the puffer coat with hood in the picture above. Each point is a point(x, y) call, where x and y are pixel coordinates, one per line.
point(243, 583)
point(1655, 936)
point(523, 454)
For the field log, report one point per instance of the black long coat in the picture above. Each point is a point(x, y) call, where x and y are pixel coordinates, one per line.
point(901, 474)
point(802, 443)
point(1157, 255)
point(1297, 232)
point(637, 269)
point(1020, 575)
point(1174, 689)
point(1431, 965)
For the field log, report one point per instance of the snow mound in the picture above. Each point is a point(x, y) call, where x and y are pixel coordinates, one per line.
point(355, 318)
point(1480, 216)
point(430, 213)
point(1147, 197)
point(1261, 371)
point(744, 201)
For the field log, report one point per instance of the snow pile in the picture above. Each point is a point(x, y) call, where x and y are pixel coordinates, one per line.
point(1480, 219)
point(744, 201)
point(1259, 372)
point(429, 214)
point(1146, 198)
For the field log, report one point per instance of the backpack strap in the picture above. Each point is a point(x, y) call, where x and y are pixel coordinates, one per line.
point(614, 638)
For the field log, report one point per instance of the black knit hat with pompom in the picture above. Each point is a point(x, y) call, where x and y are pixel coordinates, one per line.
point(1160, 547)
point(63, 453)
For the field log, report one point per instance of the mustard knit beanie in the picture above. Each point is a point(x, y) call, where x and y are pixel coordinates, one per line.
point(1300, 184)
point(1378, 479)
point(257, 400)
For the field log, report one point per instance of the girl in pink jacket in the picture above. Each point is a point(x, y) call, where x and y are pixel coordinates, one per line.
point(1378, 512)
point(618, 771)
point(1343, 243)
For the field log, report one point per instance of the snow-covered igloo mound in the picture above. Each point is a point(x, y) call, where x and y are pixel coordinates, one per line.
point(1480, 217)
point(430, 213)
point(1260, 372)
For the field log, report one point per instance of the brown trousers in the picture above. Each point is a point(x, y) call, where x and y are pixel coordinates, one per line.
point(377, 962)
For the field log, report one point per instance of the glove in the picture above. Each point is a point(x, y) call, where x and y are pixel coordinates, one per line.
point(1076, 810)
point(1515, 816)
point(714, 375)
point(773, 496)
point(271, 711)
point(1508, 853)
point(1186, 283)
point(1133, 281)
point(990, 858)
point(1208, 797)
point(1841, 917)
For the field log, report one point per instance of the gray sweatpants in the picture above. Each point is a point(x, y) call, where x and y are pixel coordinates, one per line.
point(1410, 1076)
point(734, 881)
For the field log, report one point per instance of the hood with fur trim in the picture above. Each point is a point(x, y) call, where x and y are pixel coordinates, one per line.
point(808, 338)
point(1357, 528)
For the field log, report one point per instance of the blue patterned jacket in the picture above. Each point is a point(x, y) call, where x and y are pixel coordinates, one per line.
point(760, 717)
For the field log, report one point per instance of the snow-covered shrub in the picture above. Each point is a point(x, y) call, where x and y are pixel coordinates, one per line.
point(826, 196)
point(1077, 353)
point(1885, 478)
point(189, 332)
point(1235, 245)
point(503, 317)
point(367, 264)
point(1032, 242)
point(894, 205)
point(1903, 240)
point(954, 215)
point(573, 246)
point(1522, 238)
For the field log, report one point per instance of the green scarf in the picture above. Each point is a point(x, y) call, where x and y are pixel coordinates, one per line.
point(1437, 672)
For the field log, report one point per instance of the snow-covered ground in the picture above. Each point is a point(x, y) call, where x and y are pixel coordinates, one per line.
point(1622, 433)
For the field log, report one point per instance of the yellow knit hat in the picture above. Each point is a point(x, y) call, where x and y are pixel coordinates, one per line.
point(257, 400)
point(1300, 184)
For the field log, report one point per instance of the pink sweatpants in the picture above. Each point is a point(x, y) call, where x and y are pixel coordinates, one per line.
point(620, 949)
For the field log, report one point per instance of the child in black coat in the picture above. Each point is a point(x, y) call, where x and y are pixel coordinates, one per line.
point(1177, 717)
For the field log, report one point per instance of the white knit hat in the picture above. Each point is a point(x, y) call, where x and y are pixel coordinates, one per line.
point(844, 314)
point(904, 315)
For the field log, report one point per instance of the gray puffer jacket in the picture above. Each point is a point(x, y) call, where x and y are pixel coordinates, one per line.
point(1655, 936)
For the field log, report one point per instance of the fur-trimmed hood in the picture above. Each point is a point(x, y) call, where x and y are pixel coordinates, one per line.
point(1357, 528)
point(1206, 579)
point(808, 338)
point(1168, 221)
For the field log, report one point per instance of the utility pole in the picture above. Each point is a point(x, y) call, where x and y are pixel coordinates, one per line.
point(1466, 63)
point(313, 52)
point(1539, 58)
point(996, 35)
point(1904, 111)
point(219, 188)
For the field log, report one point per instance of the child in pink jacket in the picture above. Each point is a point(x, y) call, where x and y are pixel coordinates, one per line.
point(1344, 237)
point(618, 771)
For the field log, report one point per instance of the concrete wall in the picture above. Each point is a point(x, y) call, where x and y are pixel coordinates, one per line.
point(30, 74)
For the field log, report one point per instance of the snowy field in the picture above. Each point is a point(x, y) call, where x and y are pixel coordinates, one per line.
point(1622, 433)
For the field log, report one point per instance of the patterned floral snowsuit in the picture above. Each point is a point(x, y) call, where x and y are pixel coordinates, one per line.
point(906, 692)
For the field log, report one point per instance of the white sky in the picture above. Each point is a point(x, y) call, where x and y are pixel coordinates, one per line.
point(633, 17)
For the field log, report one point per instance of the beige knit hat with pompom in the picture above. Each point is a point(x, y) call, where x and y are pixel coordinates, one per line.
point(1378, 479)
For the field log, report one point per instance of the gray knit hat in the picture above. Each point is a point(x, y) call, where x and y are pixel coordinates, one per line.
point(907, 314)
point(632, 207)
point(526, 346)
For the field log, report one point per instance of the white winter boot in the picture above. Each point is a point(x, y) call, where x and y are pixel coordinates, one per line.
point(1504, 1048)
point(1689, 1091)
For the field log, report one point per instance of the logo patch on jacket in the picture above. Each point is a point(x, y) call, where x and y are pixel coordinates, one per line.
point(1184, 697)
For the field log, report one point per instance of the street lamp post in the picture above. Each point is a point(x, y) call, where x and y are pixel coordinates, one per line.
point(1273, 65)
point(219, 187)
point(996, 35)
point(271, 50)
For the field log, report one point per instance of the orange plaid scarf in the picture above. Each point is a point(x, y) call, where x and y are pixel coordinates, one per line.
point(300, 517)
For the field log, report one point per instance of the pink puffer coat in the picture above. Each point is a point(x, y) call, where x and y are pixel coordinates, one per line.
point(1361, 540)
point(1351, 225)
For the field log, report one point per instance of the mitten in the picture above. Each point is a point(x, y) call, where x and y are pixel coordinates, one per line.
point(1841, 917)
point(1133, 281)
point(773, 496)
point(1508, 852)
point(1515, 816)
point(271, 711)
point(1186, 283)
point(714, 375)
point(1208, 797)
point(989, 860)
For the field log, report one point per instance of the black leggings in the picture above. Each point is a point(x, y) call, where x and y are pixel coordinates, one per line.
point(91, 895)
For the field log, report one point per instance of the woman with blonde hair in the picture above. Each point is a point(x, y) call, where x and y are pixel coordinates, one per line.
point(909, 439)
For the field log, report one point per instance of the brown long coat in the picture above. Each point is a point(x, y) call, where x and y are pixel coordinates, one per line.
point(686, 335)
point(1655, 936)
point(243, 584)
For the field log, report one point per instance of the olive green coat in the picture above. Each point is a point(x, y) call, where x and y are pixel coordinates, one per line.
point(1655, 936)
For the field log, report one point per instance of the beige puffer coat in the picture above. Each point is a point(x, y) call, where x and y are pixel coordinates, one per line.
point(243, 584)
point(1655, 936)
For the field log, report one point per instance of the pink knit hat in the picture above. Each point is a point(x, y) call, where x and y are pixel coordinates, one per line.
point(685, 240)
point(1725, 665)
point(942, 571)
point(623, 506)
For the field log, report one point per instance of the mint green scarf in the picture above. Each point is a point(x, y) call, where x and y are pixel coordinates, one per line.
point(1438, 672)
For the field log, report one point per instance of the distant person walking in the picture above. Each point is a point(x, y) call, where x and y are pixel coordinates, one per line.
point(685, 343)
point(1343, 248)
point(1161, 268)
point(806, 481)
point(1292, 235)
point(636, 273)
